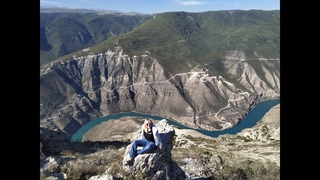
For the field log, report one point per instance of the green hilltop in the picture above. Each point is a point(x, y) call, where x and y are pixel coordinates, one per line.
point(178, 39)
point(181, 40)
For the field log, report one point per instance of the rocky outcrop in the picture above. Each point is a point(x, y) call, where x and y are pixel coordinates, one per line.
point(76, 91)
point(158, 165)
point(253, 153)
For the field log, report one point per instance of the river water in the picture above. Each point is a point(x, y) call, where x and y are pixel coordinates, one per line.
point(249, 121)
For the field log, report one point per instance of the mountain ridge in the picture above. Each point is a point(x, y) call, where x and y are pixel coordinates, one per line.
point(208, 43)
point(62, 33)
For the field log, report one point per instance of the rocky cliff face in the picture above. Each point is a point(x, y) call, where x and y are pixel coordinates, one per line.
point(76, 91)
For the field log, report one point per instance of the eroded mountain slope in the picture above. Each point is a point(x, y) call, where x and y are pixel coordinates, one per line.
point(76, 91)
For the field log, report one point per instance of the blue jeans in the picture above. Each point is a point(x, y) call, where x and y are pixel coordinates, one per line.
point(148, 146)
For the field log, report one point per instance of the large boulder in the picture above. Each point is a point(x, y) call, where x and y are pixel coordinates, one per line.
point(159, 164)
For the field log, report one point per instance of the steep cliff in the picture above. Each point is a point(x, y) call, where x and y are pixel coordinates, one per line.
point(76, 91)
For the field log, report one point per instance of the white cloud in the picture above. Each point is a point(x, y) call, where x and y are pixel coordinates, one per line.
point(191, 3)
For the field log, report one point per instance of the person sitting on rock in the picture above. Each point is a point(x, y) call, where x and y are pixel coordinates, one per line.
point(150, 140)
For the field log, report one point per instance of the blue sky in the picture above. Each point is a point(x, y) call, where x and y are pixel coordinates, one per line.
point(160, 6)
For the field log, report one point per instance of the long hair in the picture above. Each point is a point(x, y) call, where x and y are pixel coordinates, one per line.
point(147, 124)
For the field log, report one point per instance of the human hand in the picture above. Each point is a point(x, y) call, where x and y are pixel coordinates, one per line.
point(160, 147)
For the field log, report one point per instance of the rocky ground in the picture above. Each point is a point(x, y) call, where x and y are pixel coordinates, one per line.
point(253, 152)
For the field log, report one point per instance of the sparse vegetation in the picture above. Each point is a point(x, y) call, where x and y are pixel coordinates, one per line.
point(214, 158)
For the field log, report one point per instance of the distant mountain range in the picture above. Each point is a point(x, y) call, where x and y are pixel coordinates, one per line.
point(54, 9)
point(176, 39)
point(63, 31)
